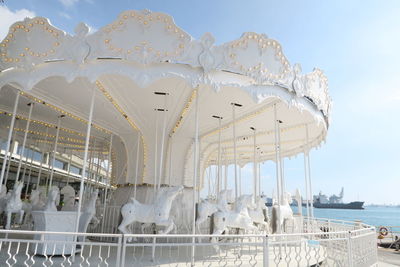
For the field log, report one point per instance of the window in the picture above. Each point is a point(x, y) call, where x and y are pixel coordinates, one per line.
point(37, 156)
point(59, 164)
point(76, 170)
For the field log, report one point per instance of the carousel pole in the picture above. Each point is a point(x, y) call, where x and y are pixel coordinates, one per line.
point(259, 176)
point(161, 162)
point(29, 175)
point(198, 170)
point(137, 165)
point(240, 180)
point(109, 182)
point(24, 141)
point(69, 166)
point(308, 200)
point(97, 178)
point(85, 158)
point(10, 132)
point(209, 182)
point(226, 170)
point(306, 186)
point(170, 161)
point(216, 185)
point(13, 144)
point(25, 166)
point(89, 182)
point(283, 183)
point(219, 171)
point(155, 157)
point(254, 164)
point(281, 162)
point(309, 177)
point(53, 159)
point(41, 162)
point(195, 171)
point(234, 105)
point(277, 158)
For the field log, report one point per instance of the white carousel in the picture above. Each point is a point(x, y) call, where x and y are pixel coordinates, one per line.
point(144, 112)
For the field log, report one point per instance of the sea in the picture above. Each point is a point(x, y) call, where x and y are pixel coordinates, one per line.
point(372, 215)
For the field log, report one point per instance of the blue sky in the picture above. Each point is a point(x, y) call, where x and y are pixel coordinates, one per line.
point(356, 43)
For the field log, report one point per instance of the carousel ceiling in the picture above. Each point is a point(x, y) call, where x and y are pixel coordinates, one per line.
point(129, 62)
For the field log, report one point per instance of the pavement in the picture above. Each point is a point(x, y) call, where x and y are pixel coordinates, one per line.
point(388, 257)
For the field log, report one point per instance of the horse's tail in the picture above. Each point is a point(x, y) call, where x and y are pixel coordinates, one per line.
point(274, 220)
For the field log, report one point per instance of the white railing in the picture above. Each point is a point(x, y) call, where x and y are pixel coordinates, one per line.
point(354, 245)
point(34, 248)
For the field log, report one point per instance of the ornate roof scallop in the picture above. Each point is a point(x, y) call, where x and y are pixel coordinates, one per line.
point(141, 36)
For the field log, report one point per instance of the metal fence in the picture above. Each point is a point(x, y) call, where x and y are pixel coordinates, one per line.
point(330, 243)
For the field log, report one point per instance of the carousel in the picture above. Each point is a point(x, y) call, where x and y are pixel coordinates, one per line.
point(125, 147)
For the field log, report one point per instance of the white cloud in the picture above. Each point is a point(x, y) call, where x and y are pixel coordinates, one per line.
point(64, 15)
point(68, 3)
point(8, 17)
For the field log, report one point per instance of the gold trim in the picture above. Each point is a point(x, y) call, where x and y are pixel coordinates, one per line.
point(184, 111)
point(63, 112)
point(244, 118)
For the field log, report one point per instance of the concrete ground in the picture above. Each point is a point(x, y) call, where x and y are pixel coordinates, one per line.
point(388, 257)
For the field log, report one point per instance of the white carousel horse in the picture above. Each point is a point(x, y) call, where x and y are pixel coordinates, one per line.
point(299, 202)
point(259, 215)
point(299, 219)
point(224, 198)
point(52, 199)
point(204, 210)
point(158, 212)
point(69, 198)
point(281, 213)
point(88, 212)
point(35, 200)
point(44, 193)
point(238, 218)
point(3, 198)
point(33, 205)
point(14, 204)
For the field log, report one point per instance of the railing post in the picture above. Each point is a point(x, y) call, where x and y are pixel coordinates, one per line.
point(350, 249)
point(121, 251)
point(265, 251)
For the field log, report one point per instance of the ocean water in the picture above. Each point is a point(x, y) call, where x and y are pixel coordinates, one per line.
point(377, 216)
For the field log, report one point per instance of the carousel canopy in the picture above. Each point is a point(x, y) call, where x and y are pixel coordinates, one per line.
point(147, 74)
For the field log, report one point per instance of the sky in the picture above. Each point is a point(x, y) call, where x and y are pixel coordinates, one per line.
point(356, 43)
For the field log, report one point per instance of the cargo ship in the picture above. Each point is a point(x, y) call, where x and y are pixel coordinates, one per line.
point(335, 202)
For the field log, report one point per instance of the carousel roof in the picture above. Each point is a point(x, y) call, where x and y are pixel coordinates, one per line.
point(144, 52)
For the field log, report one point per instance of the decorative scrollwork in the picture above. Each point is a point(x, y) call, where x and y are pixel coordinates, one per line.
point(257, 56)
point(141, 36)
point(31, 41)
